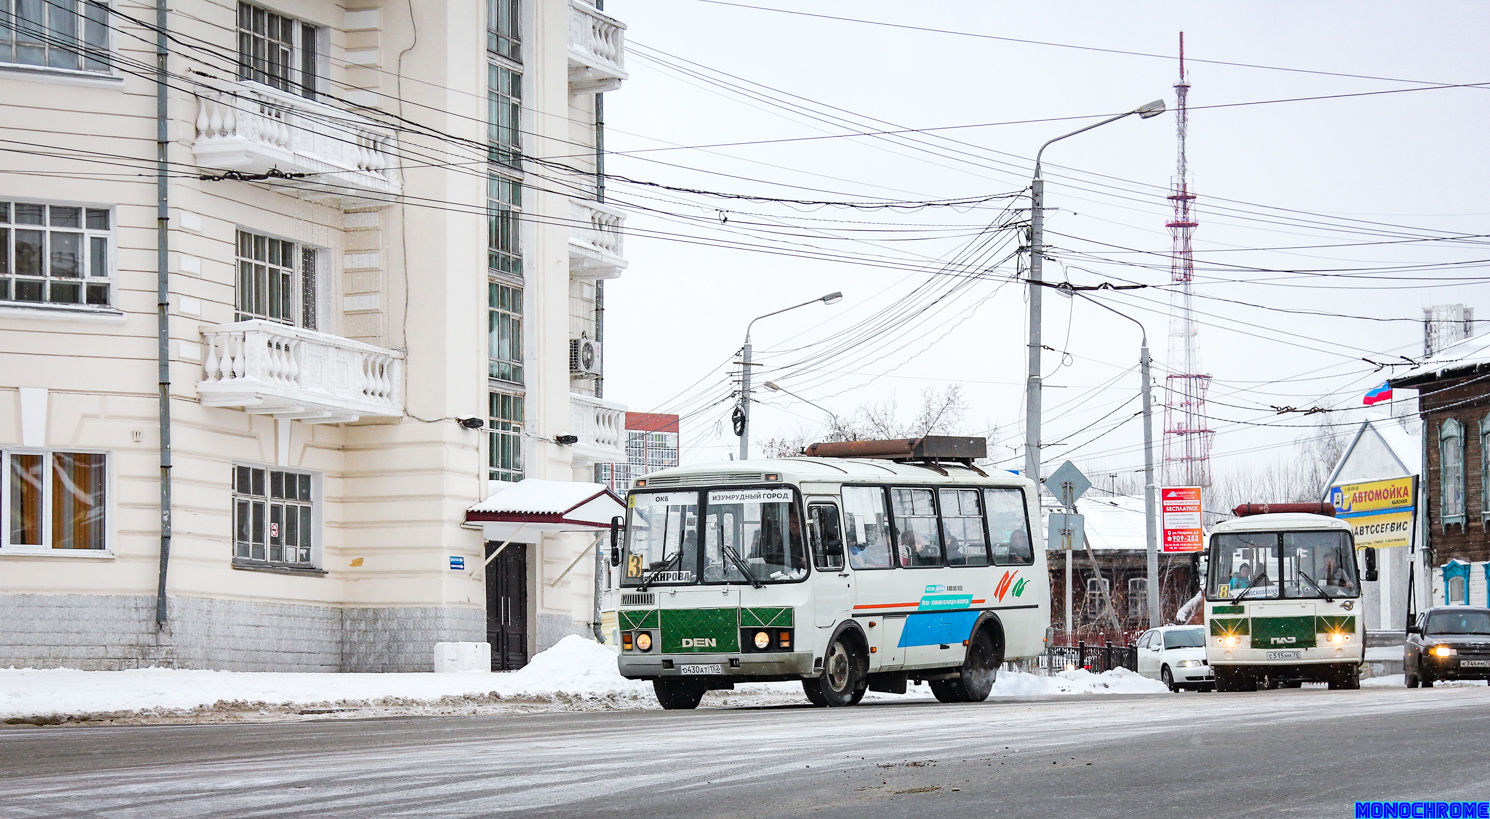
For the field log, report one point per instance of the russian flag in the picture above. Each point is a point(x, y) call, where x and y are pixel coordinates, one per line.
point(1382, 393)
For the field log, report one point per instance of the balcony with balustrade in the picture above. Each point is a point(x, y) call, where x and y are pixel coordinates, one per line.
point(597, 49)
point(266, 368)
point(308, 148)
point(595, 244)
point(600, 426)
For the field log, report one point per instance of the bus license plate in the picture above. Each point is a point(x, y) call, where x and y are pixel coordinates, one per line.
point(714, 668)
point(1284, 655)
point(1474, 663)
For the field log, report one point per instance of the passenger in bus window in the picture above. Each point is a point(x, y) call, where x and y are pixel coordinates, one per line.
point(1241, 578)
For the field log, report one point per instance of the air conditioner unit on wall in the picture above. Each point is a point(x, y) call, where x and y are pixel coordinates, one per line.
point(584, 357)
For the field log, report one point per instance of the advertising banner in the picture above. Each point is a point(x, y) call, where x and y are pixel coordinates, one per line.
point(1179, 511)
point(1379, 512)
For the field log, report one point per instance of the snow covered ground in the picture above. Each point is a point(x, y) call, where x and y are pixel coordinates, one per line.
point(576, 674)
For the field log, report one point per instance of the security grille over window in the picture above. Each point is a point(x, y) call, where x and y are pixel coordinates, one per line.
point(54, 254)
point(273, 516)
point(62, 34)
point(277, 51)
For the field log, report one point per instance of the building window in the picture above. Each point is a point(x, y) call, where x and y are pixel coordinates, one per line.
point(505, 201)
point(276, 280)
point(53, 500)
point(1451, 470)
point(506, 456)
point(65, 34)
point(1485, 472)
point(502, 32)
point(54, 254)
point(505, 332)
point(278, 51)
point(505, 102)
point(273, 516)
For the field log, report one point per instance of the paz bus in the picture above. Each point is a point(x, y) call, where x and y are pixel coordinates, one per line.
point(856, 567)
point(1282, 591)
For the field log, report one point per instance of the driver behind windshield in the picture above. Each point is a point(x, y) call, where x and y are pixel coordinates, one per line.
point(1335, 575)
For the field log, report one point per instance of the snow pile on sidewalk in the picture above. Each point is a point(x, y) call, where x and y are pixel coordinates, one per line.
point(1079, 681)
point(576, 673)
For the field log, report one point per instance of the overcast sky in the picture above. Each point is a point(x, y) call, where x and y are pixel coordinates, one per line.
point(1380, 189)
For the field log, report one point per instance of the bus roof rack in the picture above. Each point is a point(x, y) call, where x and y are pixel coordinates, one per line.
point(1245, 509)
point(929, 450)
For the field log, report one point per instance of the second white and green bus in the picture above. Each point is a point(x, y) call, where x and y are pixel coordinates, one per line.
point(849, 574)
point(1282, 597)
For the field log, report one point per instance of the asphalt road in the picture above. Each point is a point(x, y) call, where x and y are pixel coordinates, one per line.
point(1282, 753)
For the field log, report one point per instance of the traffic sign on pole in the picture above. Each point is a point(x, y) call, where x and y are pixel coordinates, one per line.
point(1068, 484)
point(1067, 531)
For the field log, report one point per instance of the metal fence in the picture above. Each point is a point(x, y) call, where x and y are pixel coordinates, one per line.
point(1094, 658)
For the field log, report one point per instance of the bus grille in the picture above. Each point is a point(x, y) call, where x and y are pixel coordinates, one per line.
point(645, 599)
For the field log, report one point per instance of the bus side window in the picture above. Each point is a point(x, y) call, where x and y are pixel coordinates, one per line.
point(868, 527)
point(827, 542)
point(1008, 527)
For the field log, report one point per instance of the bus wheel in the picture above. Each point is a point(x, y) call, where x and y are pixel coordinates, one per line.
point(974, 682)
point(813, 688)
point(843, 680)
point(678, 695)
point(1347, 678)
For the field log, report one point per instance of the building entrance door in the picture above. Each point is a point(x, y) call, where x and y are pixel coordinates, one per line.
point(507, 606)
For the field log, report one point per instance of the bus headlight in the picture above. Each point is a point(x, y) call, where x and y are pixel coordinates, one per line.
point(1443, 651)
point(644, 641)
point(1230, 640)
point(1335, 637)
point(762, 640)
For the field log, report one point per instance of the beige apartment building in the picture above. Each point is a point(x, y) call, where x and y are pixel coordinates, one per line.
point(381, 261)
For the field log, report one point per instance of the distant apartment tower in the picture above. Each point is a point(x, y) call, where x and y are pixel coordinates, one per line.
point(1445, 324)
point(651, 444)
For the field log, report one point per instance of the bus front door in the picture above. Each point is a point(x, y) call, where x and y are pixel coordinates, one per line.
point(833, 586)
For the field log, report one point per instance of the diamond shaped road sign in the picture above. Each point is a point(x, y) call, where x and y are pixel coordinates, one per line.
point(1068, 484)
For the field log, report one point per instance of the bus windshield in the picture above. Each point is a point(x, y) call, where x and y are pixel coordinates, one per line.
point(1318, 564)
point(754, 530)
point(661, 539)
point(1310, 564)
point(1238, 561)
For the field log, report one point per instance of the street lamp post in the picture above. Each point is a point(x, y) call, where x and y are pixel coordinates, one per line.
point(744, 406)
point(1037, 249)
point(1150, 522)
point(774, 387)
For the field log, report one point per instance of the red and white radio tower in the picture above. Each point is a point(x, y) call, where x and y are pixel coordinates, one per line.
point(1187, 431)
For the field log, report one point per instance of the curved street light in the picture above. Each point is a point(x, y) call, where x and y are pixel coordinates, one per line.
point(742, 410)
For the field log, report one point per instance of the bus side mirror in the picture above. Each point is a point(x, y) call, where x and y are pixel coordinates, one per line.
point(1370, 564)
point(615, 541)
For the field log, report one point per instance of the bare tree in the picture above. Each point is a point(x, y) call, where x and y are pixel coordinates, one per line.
point(941, 413)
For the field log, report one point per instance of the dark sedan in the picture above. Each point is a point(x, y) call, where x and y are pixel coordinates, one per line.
point(1448, 643)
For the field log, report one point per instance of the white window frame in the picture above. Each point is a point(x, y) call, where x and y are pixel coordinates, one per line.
point(47, 547)
point(8, 11)
point(1452, 429)
point(297, 281)
point(317, 518)
point(297, 81)
point(111, 264)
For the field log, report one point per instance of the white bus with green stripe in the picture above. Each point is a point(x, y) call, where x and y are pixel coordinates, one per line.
point(851, 574)
point(1282, 602)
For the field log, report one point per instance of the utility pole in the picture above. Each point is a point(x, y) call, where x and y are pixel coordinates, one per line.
point(1150, 502)
point(1037, 249)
